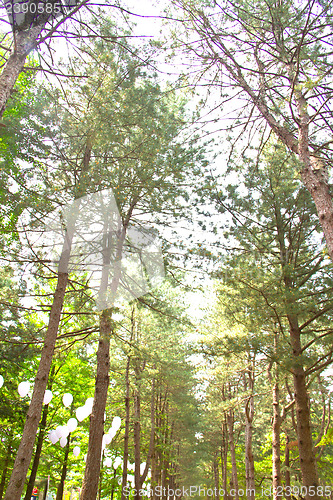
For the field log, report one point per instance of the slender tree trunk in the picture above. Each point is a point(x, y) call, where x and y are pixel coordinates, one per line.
point(25, 41)
point(249, 414)
point(224, 473)
point(38, 452)
point(230, 422)
point(216, 477)
point(61, 486)
point(96, 428)
point(314, 173)
point(287, 472)
point(127, 411)
point(126, 436)
point(6, 464)
point(276, 459)
point(153, 480)
point(249, 459)
point(224, 458)
point(304, 436)
point(137, 430)
point(112, 488)
point(305, 444)
point(152, 432)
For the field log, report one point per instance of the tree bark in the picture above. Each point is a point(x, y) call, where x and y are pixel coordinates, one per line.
point(304, 436)
point(126, 436)
point(61, 486)
point(137, 430)
point(25, 41)
point(152, 432)
point(230, 422)
point(303, 426)
point(287, 472)
point(276, 445)
point(249, 459)
point(314, 172)
point(224, 459)
point(96, 427)
point(216, 477)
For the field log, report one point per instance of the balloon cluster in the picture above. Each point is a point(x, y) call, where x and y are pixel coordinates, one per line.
point(107, 438)
point(62, 431)
point(24, 388)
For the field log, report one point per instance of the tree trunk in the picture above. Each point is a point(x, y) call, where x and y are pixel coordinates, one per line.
point(24, 453)
point(276, 460)
point(249, 414)
point(152, 432)
point(224, 459)
point(216, 477)
point(61, 486)
point(96, 428)
point(126, 436)
point(314, 172)
point(113, 484)
point(230, 422)
point(6, 464)
point(137, 429)
point(249, 459)
point(287, 472)
point(25, 41)
point(38, 452)
point(303, 427)
point(304, 436)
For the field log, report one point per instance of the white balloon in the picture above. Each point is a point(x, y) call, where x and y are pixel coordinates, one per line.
point(1, 381)
point(63, 442)
point(89, 402)
point(76, 451)
point(23, 389)
point(112, 433)
point(108, 462)
point(64, 431)
point(58, 431)
point(47, 397)
point(53, 437)
point(67, 399)
point(72, 424)
point(80, 413)
point(116, 423)
point(88, 410)
point(142, 467)
point(117, 462)
point(107, 438)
